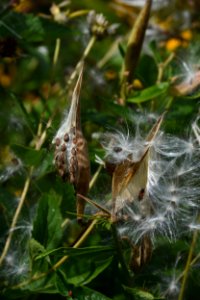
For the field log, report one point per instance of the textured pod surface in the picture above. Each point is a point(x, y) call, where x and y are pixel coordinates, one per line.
point(71, 153)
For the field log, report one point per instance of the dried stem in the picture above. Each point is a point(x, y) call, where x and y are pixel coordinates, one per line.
point(188, 265)
point(38, 146)
point(85, 54)
point(95, 204)
point(78, 13)
point(95, 176)
point(16, 216)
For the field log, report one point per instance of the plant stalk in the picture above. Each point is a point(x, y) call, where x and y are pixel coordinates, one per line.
point(85, 54)
point(187, 266)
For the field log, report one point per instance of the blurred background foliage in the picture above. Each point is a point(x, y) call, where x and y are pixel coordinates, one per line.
point(41, 43)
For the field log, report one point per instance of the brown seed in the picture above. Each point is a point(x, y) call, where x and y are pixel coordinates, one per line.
point(58, 141)
point(66, 137)
point(62, 158)
point(117, 149)
point(73, 151)
point(141, 194)
point(63, 147)
point(74, 140)
point(72, 160)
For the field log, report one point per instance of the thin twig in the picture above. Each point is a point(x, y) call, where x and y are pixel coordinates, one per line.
point(16, 216)
point(187, 266)
point(95, 176)
point(85, 54)
point(95, 204)
point(163, 65)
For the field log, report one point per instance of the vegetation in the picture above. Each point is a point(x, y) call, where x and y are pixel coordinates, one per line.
point(100, 146)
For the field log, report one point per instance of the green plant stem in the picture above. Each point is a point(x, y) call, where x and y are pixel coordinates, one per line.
point(62, 260)
point(163, 65)
point(78, 13)
point(187, 266)
point(120, 255)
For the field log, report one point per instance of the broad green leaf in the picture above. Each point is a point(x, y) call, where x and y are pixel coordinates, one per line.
point(29, 156)
point(46, 166)
point(82, 269)
point(91, 270)
point(35, 248)
point(47, 224)
point(61, 283)
point(147, 70)
point(139, 294)
point(149, 93)
point(22, 26)
point(85, 293)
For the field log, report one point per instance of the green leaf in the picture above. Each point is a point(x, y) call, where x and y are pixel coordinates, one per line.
point(22, 26)
point(61, 283)
point(91, 268)
point(46, 166)
point(77, 251)
point(47, 224)
point(82, 269)
point(121, 50)
point(150, 93)
point(85, 293)
point(139, 294)
point(35, 248)
point(29, 156)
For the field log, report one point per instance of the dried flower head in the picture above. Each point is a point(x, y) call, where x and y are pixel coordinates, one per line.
point(99, 26)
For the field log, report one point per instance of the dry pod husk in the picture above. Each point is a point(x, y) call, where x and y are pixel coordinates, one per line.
point(71, 153)
point(129, 185)
point(134, 46)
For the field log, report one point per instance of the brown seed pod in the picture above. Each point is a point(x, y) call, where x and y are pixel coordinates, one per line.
point(71, 154)
point(129, 183)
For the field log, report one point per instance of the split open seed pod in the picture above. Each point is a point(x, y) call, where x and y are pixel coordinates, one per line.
point(71, 153)
point(129, 186)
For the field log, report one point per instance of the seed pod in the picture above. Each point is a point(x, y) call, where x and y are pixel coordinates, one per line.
point(129, 184)
point(71, 153)
point(134, 47)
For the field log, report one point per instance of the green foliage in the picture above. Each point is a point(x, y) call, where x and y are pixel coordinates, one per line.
point(50, 256)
